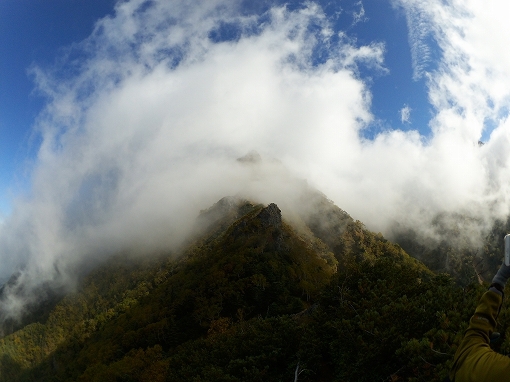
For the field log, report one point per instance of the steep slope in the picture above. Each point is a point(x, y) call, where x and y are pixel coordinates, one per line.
point(255, 297)
point(256, 266)
point(36, 310)
point(467, 257)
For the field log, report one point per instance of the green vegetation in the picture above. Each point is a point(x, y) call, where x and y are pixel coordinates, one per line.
point(254, 299)
point(462, 249)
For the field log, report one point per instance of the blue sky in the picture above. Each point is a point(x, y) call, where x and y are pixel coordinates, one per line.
point(120, 121)
point(32, 32)
point(38, 32)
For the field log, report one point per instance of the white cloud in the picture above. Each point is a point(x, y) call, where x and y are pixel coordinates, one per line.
point(360, 15)
point(146, 132)
point(471, 85)
point(405, 114)
point(419, 37)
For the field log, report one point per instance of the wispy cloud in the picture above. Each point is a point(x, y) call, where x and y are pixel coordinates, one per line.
point(470, 83)
point(359, 17)
point(420, 34)
point(142, 131)
point(145, 131)
point(405, 114)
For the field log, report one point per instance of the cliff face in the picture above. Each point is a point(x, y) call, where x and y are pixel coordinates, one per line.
point(266, 224)
point(271, 216)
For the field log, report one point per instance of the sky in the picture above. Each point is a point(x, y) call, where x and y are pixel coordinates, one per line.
point(38, 33)
point(32, 32)
point(121, 120)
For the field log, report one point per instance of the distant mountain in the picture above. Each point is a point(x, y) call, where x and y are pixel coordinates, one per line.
point(253, 296)
point(457, 246)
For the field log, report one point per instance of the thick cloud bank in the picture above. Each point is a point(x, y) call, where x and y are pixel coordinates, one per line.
point(146, 117)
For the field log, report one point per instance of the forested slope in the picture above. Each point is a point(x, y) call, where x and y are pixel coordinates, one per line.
point(254, 298)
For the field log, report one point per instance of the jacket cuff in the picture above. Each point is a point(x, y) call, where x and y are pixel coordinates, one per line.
point(498, 288)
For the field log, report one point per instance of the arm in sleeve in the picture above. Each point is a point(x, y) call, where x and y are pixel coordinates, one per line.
point(474, 359)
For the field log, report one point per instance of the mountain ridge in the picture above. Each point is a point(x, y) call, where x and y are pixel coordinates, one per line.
point(248, 277)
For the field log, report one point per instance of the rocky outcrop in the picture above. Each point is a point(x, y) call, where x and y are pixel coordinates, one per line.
point(270, 216)
point(264, 229)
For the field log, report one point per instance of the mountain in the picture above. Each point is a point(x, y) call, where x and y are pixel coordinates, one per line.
point(457, 246)
point(254, 295)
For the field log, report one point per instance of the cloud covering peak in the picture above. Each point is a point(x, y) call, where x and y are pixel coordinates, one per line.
point(145, 118)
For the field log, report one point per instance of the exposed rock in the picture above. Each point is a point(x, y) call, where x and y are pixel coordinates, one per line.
point(266, 225)
point(271, 216)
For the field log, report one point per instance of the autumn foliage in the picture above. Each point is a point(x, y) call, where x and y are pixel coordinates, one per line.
point(253, 298)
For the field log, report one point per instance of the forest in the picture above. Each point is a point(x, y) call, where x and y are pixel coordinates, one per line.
point(254, 296)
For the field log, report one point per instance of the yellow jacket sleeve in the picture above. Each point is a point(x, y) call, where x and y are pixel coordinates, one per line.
point(474, 359)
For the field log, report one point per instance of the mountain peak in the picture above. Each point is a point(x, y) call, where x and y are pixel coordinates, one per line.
point(263, 224)
point(271, 216)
